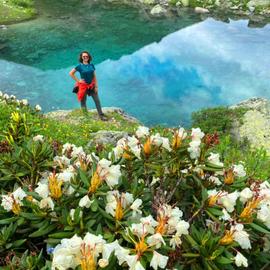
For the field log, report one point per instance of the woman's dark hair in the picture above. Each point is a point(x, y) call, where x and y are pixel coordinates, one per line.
point(81, 59)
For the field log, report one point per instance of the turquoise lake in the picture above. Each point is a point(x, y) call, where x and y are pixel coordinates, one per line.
point(159, 71)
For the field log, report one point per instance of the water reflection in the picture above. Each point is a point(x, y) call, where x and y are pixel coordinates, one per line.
point(207, 64)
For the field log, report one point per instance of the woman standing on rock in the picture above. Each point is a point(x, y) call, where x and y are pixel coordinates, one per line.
point(87, 85)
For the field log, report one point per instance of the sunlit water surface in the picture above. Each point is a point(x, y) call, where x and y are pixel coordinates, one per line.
point(158, 71)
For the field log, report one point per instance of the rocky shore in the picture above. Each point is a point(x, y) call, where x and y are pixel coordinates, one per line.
point(256, 11)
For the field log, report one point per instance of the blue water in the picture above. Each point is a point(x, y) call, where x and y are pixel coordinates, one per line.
point(159, 80)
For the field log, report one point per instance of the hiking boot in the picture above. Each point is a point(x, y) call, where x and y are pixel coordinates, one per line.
point(103, 117)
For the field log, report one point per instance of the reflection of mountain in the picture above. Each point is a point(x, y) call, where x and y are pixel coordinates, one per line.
point(207, 64)
point(62, 31)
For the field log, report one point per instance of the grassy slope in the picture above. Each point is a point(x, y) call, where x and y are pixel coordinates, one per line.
point(67, 131)
point(14, 11)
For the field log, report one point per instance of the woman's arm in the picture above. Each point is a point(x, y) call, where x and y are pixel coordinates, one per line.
point(96, 83)
point(72, 75)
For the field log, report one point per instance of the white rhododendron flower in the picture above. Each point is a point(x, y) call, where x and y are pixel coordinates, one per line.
point(263, 214)
point(65, 176)
point(7, 202)
point(134, 263)
point(42, 190)
point(142, 132)
point(13, 200)
point(166, 144)
point(18, 195)
point(197, 134)
point(116, 200)
point(121, 254)
point(24, 102)
point(46, 203)
point(194, 149)
point(6, 96)
point(239, 170)
point(156, 139)
point(85, 202)
point(67, 254)
point(182, 227)
point(110, 173)
point(156, 240)
point(181, 133)
point(158, 260)
point(61, 160)
point(77, 152)
point(241, 236)
point(103, 263)
point(226, 215)
point(134, 146)
point(245, 195)
point(67, 147)
point(136, 205)
point(214, 159)
point(110, 248)
point(240, 260)
point(38, 138)
point(38, 107)
point(229, 201)
point(215, 180)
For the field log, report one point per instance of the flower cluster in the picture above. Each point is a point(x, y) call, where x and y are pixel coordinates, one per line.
point(153, 202)
point(12, 99)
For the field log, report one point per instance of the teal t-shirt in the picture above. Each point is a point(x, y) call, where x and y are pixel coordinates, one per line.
point(86, 71)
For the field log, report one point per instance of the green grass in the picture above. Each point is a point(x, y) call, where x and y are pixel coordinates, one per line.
point(76, 128)
point(12, 11)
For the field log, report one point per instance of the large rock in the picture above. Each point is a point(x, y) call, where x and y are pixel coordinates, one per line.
point(201, 10)
point(158, 10)
point(255, 124)
point(106, 137)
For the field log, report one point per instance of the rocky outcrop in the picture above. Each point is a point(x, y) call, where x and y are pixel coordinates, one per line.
point(255, 124)
point(66, 115)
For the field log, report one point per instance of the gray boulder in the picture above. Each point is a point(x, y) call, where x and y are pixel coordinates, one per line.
point(106, 137)
point(255, 124)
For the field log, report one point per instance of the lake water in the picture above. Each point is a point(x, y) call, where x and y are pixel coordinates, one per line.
point(159, 71)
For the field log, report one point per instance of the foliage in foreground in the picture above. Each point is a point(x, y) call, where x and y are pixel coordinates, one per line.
point(153, 202)
point(61, 131)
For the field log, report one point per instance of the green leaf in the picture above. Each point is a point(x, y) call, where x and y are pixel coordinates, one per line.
point(7, 220)
point(190, 255)
point(259, 228)
point(84, 178)
point(94, 205)
point(18, 243)
point(223, 260)
point(43, 231)
point(61, 235)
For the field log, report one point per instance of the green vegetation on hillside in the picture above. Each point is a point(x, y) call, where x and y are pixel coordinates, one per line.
point(153, 201)
point(76, 129)
point(217, 119)
point(16, 10)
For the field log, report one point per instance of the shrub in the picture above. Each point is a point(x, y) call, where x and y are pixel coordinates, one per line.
point(151, 202)
point(218, 119)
